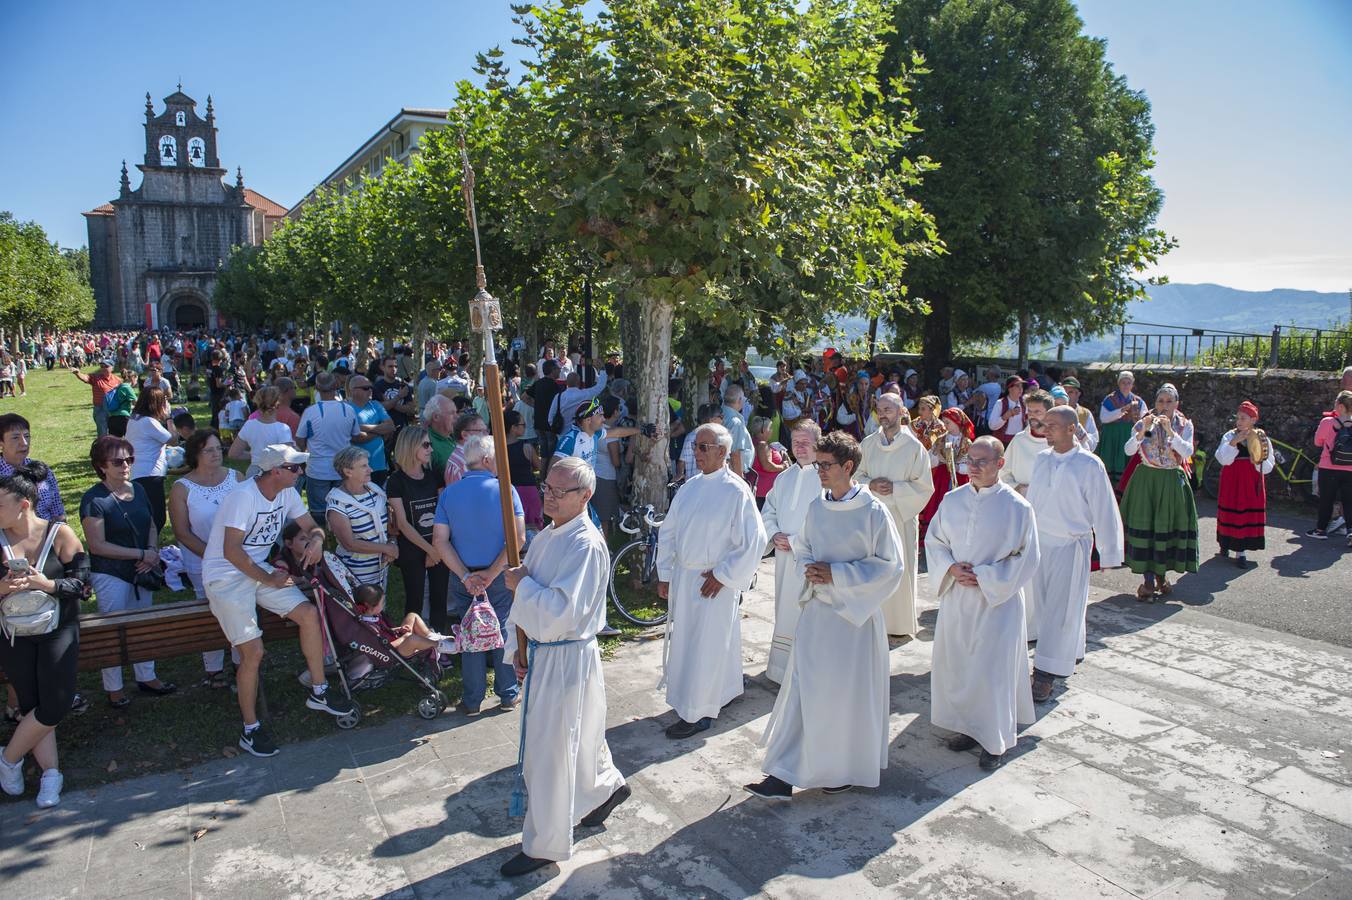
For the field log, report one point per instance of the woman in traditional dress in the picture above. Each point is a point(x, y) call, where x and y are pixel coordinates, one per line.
point(910, 389)
point(1120, 411)
point(1009, 415)
point(1158, 509)
point(854, 413)
point(1245, 455)
point(931, 431)
point(961, 433)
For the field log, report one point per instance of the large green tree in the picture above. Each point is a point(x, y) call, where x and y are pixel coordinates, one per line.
point(1043, 198)
point(39, 285)
point(720, 161)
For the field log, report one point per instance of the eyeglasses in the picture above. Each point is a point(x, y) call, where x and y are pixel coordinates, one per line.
point(426, 445)
point(702, 447)
point(980, 462)
point(119, 460)
point(826, 463)
point(292, 467)
point(549, 490)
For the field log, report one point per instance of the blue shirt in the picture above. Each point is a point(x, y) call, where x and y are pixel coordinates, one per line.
point(327, 427)
point(373, 414)
point(472, 509)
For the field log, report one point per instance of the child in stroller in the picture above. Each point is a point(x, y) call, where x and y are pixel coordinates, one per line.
point(409, 638)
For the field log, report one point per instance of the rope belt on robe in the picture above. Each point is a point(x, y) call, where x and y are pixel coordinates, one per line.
point(517, 806)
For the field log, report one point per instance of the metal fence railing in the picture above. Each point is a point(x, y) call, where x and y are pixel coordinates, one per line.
point(1287, 346)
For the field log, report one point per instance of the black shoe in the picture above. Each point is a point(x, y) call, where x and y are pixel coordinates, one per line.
point(1242, 562)
point(1318, 534)
point(837, 790)
point(771, 788)
point(961, 743)
point(79, 704)
point(600, 814)
point(521, 864)
point(684, 729)
point(259, 742)
point(990, 762)
point(331, 702)
point(165, 688)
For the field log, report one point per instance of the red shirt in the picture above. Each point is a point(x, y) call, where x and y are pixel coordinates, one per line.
point(103, 385)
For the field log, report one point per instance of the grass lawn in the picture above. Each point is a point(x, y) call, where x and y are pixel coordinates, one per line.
point(197, 723)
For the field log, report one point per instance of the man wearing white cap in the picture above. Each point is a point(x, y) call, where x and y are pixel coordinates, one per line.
point(238, 579)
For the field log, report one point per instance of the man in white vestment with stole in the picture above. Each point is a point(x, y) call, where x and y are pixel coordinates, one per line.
point(559, 605)
point(829, 726)
point(1075, 507)
point(710, 544)
point(982, 547)
point(786, 509)
point(896, 468)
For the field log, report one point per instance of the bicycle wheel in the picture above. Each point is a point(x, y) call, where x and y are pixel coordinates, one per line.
point(1211, 478)
point(633, 586)
point(1300, 482)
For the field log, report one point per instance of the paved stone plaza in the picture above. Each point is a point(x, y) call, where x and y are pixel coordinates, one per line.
point(1194, 756)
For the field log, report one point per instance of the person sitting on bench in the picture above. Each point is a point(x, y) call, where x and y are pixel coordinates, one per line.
point(238, 579)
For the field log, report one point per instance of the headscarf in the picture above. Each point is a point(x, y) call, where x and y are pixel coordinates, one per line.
point(959, 418)
point(1249, 409)
point(1059, 393)
point(1167, 388)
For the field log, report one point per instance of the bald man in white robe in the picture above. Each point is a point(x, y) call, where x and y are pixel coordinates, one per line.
point(896, 468)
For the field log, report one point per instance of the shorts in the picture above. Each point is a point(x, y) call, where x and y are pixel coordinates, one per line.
point(234, 603)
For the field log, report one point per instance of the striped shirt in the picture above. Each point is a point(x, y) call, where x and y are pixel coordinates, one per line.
point(368, 515)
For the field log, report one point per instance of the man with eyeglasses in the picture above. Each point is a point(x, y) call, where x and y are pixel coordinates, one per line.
point(559, 606)
point(375, 424)
point(982, 548)
point(829, 726)
point(238, 579)
point(896, 468)
point(708, 550)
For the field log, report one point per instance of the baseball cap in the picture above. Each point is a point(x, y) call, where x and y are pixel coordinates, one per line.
point(1071, 382)
point(275, 455)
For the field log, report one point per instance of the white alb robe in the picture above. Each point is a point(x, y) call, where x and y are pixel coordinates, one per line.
point(713, 524)
point(568, 769)
point(1073, 500)
point(1020, 456)
point(906, 463)
point(979, 684)
point(829, 725)
point(785, 511)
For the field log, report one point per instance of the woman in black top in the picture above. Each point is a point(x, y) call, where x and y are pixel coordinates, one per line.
point(41, 667)
point(522, 463)
point(123, 544)
point(412, 492)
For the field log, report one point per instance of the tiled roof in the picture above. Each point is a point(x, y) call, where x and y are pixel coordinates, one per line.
point(104, 210)
point(259, 202)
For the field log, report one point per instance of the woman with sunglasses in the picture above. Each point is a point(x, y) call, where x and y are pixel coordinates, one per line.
point(119, 528)
point(412, 494)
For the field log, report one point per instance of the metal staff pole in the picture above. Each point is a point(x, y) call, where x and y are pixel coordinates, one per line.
point(485, 316)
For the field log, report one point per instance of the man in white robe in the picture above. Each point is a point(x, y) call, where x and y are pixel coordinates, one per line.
point(708, 549)
point(1088, 435)
point(829, 726)
point(1075, 507)
point(559, 606)
point(982, 547)
point(1022, 452)
point(896, 468)
point(785, 511)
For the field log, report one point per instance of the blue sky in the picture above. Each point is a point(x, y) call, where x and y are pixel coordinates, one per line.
point(1252, 105)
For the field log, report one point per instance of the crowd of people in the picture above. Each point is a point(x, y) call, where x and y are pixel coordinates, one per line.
point(1010, 489)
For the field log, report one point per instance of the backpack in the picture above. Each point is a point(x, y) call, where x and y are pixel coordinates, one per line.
point(1340, 453)
point(479, 629)
point(30, 613)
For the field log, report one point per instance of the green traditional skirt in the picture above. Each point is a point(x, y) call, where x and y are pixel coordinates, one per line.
point(1112, 438)
point(1160, 518)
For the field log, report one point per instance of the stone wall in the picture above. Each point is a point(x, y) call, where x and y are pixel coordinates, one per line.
point(1290, 402)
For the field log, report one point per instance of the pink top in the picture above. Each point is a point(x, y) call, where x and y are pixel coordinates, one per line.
point(1323, 437)
point(766, 480)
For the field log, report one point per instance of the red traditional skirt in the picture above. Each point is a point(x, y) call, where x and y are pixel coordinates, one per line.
point(1126, 474)
point(1241, 506)
point(939, 475)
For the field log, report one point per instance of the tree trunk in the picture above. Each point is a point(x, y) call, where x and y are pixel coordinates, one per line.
point(630, 319)
point(872, 337)
point(649, 370)
point(1025, 325)
point(937, 337)
point(418, 346)
point(528, 326)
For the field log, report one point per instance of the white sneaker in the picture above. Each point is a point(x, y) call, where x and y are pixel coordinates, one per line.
point(49, 789)
point(11, 777)
point(1338, 524)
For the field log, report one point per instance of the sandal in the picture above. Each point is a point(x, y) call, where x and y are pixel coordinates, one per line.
point(1165, 588)
point(215, 680)
point(1144, 594)
point(120, 703)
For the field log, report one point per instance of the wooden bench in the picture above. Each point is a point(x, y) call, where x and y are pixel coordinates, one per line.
point(160, 632)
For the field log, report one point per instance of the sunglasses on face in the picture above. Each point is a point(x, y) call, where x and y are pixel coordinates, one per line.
point(705, 448)
point(119, 460)
point(426, 445)
point(292, 467)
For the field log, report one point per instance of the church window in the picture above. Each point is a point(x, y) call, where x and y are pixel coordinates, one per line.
point(197, 152)
point(168, 150)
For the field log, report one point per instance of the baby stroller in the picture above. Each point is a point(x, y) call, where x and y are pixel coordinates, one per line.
point(365, 658)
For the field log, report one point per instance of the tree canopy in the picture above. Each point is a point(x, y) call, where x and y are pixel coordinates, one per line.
point(40, 284)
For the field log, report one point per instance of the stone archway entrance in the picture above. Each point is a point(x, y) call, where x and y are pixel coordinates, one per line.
point(187, 313)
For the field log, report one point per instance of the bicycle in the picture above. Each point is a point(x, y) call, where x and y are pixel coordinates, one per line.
point(633, 570)
point(1294, 468)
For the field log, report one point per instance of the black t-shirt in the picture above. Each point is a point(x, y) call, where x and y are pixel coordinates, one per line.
point(216, 381)
point(384, 390)
point(419, 499)
point(126, 523)
point(545, 390)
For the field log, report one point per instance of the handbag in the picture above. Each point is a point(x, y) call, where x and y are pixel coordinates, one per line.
point(479, 630)
point(30, 613)
point(151, 579)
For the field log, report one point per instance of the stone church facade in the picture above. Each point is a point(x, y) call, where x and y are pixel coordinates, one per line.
point(154, 251)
